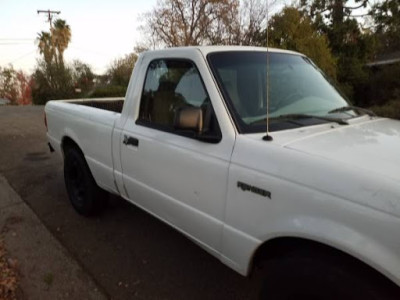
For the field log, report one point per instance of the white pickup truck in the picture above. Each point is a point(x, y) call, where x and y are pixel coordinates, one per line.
point(315, 202)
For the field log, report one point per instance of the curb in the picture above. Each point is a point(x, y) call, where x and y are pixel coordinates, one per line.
point(46, 269)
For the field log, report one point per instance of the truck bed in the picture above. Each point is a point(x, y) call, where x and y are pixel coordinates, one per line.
point(110, 104)
point(89, 122)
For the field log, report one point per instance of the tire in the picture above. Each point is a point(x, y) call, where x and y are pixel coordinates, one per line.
point(329, 277)
point(83, 192)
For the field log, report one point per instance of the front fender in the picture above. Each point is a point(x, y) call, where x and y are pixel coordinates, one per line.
point(379, 254)
point(295, 210)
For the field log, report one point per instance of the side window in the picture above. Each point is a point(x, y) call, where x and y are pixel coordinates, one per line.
point(171, 85)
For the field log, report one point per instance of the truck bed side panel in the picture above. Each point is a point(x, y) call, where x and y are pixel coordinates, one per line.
point(91, 129)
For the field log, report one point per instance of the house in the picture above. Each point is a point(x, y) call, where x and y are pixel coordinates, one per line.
point(4, 101)
point(385, 59)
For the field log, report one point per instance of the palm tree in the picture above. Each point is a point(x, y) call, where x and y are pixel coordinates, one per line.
point(45, 46)
point(60, 37)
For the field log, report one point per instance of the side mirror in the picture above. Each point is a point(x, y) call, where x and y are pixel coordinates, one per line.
point(189, 118)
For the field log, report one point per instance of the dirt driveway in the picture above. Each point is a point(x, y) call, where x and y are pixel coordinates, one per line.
point(128, 253)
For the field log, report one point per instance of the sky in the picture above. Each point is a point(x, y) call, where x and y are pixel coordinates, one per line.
point(101, 30)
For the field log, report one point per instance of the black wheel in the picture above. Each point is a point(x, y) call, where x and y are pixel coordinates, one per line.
point(323, 277)
point(85, 196)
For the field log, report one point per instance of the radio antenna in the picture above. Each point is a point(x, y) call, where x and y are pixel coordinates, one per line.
point(267, 137)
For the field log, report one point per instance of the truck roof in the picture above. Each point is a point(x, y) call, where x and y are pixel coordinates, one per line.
point(208, 49)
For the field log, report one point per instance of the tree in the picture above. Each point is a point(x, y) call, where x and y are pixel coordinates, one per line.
point(115, 82)
point(190, 22)
point(353, 53)
point(82, 76)
point(15, 86)
point(53, 80)
point(330, 16)
point(53, 44)
point(252, 22)
point(45, 46)
point(292, 29)
point(120, 70)
point(8, 84)
point(60, 38)
point(350, 46)
point(197, 22)
point(387, 20)
point(24, 83)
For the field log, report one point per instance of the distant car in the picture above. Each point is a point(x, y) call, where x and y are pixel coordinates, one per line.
point(4, 101)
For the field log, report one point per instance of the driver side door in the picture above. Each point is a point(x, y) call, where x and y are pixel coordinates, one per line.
point(170, 173)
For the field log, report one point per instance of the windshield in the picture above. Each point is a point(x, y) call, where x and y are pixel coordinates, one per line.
point(296, 87)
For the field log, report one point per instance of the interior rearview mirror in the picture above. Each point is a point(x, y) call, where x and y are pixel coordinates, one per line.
point(189, 118)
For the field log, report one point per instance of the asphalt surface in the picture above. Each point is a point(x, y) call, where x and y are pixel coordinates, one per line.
point(45, 270)
point(128, 253)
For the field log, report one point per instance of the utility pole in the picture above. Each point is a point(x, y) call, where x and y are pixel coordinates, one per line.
point(50, 14)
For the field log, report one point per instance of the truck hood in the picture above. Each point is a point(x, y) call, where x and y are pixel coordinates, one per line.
point(359, 162)
point(373, 146)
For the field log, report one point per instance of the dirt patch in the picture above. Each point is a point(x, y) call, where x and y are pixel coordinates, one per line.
point(8, 275)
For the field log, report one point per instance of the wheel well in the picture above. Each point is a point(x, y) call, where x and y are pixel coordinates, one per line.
point(286, 246)
point(291, 246)
point(277, 247)
point(283, 246)
point(67, 142)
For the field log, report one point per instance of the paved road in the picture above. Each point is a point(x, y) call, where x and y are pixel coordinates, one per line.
point(129, 253)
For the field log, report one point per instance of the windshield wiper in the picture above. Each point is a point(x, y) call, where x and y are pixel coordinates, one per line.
point(305, 116)
point(356, 108)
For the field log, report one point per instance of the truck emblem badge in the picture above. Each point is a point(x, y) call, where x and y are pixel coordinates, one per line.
point(246, 187)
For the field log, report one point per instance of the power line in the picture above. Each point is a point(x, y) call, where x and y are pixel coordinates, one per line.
point(50, 14)
point(16, 42)
point(22, 56)
point(13, 44)
point(89, 51)
point(15, 39)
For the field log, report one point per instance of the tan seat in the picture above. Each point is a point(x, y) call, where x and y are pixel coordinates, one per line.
point(164, 103)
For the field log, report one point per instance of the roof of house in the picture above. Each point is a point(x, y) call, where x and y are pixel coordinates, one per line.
point(385, 59)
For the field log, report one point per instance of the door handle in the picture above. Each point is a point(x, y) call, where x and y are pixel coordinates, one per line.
point(128, 140)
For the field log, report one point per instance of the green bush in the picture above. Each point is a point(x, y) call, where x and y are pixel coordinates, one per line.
point(389, 110)
point(109, 91)
point(51, 82)
point(382, 86)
